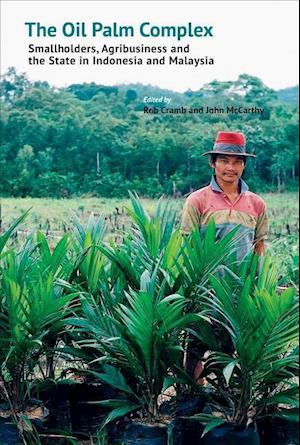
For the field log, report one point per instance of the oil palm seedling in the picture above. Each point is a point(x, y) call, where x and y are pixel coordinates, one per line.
point(53, 266)
point(137, 346)
point(201, 255)
point(258, 377)
point(92, 274)
point(31, 312)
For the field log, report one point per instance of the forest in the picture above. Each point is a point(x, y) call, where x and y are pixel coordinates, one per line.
point(96, 140)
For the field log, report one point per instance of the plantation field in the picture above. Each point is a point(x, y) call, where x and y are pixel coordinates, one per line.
point(54, 218)
point(95, 333)
point(54, 215)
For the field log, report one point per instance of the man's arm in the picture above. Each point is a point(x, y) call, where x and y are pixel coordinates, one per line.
point(191, 218)
point(261, 233)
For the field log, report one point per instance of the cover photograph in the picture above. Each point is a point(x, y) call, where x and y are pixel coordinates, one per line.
point(149, 222)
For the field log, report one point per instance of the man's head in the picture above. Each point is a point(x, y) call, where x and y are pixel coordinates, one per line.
point(228, 168)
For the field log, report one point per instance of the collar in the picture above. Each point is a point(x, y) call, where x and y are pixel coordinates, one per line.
point(216, 188)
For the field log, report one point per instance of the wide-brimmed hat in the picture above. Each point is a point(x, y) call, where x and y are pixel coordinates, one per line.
point(230, 143)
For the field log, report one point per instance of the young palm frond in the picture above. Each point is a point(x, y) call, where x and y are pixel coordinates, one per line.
point(205, 254)
point(60, 261)
point(90, 267)
point(152, 240)
point(263, 328)
point(11, 230)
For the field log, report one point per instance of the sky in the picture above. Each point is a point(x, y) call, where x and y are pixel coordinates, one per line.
point(259, 38)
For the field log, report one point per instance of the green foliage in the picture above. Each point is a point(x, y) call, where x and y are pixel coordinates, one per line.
point(286, 255)
point(90, 138)
point(140, 340)
point(263, 328)
point(31, 313)
point(202, 255)
point(122, 312)
point(153, 242)
point(90, 262)
point(135, 343)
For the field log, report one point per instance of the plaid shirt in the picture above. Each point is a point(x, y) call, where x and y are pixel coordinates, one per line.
point(248, 211)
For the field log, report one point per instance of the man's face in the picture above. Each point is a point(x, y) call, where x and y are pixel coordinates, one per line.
point(228, 168)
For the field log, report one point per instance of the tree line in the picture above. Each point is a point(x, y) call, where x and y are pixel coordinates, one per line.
point(96, 140)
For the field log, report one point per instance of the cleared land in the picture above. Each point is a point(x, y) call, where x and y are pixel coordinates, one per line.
point(55, 215)
point(54, 218)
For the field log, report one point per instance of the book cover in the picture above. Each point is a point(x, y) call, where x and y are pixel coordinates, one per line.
point(107, 105)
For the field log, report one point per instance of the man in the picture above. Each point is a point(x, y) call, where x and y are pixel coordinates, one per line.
point(227, 199)
point(230, 203)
